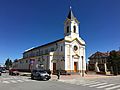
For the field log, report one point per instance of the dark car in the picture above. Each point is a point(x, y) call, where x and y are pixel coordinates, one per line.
point(40, 74)
point(0, 72)
point(13, 72)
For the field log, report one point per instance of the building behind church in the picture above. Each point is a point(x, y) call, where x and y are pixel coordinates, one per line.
point(100, 58)
point(101, 61)
point(66, 54)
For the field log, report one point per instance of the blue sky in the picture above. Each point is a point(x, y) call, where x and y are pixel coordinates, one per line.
point(30, 23)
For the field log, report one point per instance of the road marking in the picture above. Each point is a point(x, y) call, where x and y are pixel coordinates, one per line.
point(26, 80)
point(113, 87)
point(91, 83)
point(13, 81)
point(105, 86)
point(5, 82)
point(73, 82)
point(20, 81)
point(85, 83)
point(97, 85)
point(78, 82)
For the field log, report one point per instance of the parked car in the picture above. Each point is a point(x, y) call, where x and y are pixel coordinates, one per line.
point(40, 74)
point(0, 72)
point(13, 72)
point(3, 70)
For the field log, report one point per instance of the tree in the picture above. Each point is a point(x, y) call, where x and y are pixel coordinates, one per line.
point(8, 63)
point(113, 61)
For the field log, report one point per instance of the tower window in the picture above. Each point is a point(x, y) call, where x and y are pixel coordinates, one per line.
point(67, 29)
point(74, 29)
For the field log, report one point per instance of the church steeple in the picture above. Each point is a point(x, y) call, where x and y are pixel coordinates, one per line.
point(70, 15)
point(71, 28)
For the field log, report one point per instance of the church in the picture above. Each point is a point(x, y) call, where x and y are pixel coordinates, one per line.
point(66, 54)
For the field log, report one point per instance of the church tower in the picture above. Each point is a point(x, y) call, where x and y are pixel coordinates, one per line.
point(74, 46)
point(71, 26)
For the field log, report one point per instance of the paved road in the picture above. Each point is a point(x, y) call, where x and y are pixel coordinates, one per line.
point(24, 83)
point(108, 83)
point(112, 79)
point(6, 79)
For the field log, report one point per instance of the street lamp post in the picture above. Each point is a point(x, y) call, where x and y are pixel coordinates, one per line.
point(82, 67)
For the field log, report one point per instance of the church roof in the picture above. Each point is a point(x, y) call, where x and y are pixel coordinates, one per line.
point(45, 45)
point(71, 15)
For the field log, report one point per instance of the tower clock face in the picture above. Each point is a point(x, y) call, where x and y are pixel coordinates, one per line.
point(75, 48)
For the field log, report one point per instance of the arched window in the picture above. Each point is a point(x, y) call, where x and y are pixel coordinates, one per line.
point(67, 29)
point(74, 29)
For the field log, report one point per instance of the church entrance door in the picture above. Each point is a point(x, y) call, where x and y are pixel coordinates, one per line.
point(75, 66)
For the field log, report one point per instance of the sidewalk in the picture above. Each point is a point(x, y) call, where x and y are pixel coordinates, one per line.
point(70, 77)
point(76, 77)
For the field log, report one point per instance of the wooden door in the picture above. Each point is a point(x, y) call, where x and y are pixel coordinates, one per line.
point(75, 66)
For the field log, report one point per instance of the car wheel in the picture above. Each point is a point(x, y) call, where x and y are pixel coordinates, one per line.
point(32, 77)
point(45, 79)
point(17, 74)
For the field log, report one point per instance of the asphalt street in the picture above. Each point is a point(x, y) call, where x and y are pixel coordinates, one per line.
point(25, 83)
point(105, 83)
point(112, 79)
point(41, 85)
